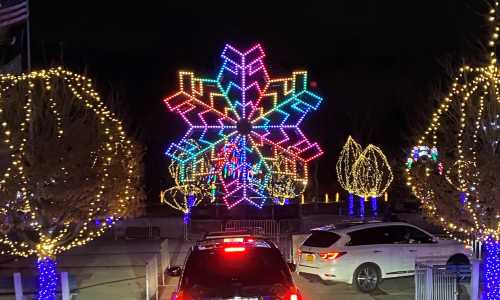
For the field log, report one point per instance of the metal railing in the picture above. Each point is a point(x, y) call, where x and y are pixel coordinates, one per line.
point(267, 228)
point(270, 229)
point(434, 282)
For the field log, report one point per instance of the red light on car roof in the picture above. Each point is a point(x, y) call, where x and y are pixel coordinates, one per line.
point(233, 240)
point(234, 249)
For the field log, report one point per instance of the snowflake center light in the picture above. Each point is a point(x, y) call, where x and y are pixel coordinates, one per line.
point(244, 127)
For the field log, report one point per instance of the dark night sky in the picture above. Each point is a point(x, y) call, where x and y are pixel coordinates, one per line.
point(374, 61)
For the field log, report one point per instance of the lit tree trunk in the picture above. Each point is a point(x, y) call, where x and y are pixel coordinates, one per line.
point(47, 278)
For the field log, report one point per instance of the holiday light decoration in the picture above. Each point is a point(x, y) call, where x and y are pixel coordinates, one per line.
point(372, 173)
point(47, 284)
point(374, 206)
point(283, 184)
point(491, 275)
point(69, 170)
point(189, 187)
point(348, 156)
point(350, 205)
point(243, 120)
point(465, 130)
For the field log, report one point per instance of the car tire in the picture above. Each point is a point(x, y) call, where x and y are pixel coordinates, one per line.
point(367, 277)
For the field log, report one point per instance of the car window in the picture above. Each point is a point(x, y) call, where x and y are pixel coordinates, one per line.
point(407, 235)
point(418, 236)
point(321, 239)
point(215, 270)
point(370, 236)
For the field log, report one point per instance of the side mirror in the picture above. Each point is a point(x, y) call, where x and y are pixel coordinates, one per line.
point(292, 267)
point(174, 271)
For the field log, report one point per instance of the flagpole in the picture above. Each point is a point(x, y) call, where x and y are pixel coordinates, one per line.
point(28, 36)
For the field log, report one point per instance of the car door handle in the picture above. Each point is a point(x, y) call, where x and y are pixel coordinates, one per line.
point(377, 251)
point(412, 250)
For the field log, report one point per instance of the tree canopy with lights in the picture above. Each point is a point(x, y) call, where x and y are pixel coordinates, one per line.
point(68, 170)
point(455, 167)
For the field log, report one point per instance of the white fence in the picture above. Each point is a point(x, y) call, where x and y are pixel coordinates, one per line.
point(434, 282)
point(152, 278)
point(155, 271)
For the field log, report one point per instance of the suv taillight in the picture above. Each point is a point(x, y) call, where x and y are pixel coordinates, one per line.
point(180, 296)
point(292, 294)
point(331, 255)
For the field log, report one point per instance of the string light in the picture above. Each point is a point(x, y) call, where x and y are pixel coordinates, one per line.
point(47, 283)
point(371, 172)
point(243, 120)
point(350, 204)
point(285, 183)
point(465, 130)
point(189, 187)
point(39, 111)
point(348, 156)
point(374, 206)
point(491, 273)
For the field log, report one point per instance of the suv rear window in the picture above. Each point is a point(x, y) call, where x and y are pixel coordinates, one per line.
point(321, 239)
point(213, 272)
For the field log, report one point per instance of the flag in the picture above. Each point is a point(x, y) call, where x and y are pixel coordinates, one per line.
point(13, 12)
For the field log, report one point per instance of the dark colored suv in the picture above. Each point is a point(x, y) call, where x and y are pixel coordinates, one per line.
point(236, 267)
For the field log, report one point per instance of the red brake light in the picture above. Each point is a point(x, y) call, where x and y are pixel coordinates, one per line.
point(294, 297)
point(234, 249)
point(250, 240)
point(331, 255)
point(180, 296)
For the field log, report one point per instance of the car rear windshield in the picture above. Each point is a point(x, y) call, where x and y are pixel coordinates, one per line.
point(321, 239)
point(219, 270)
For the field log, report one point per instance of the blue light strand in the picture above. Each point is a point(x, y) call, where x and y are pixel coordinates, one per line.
point(491, 270)
point(362, 207)
point(47, 278)
point(191, 201)
point(374, 206)
point(350, 205)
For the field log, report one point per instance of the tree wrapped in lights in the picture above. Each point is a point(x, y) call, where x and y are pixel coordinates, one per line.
point(372, 173)
point(348, 156)
point(68, 169)
point(288, 179)
point(242, 118)
point(465, 129)
point(366, 173)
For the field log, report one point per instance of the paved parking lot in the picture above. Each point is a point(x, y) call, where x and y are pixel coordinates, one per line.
point(390, 289)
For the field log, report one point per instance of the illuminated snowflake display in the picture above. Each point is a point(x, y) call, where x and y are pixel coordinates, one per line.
point(242, 121)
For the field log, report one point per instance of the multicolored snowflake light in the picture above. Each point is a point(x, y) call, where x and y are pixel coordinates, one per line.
point(243, 120)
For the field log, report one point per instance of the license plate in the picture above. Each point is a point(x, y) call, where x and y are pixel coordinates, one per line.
point(308, 257)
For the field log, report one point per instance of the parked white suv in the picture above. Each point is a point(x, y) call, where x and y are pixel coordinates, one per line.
point(363, 254)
